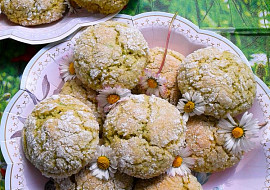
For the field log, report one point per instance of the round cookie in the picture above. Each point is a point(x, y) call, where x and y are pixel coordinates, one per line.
point(76, 89)
point(60, 136)
point(225, 82)
point(143, 140)
point(169, 71)
point(84, 180)
point(207, 146)
point(102, 6)
point(110, 54)
point(165, 182)
point(33, 12)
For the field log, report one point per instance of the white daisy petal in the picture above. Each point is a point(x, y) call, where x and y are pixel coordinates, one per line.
point(231, 119)
point(64, 65)
point(198, 106)
point(93, 166)
point(169, 171)
point(150, 91)
point(224, 124)
point(186, 163)
point(192, 114)
point(173, 172)
point(247, 128)
point(102, 98)
point(106, 175)
point(187, 96)
point(222, 131)
point(162, 91)
point(96, 172)
point(189, 161)
point(246, 118)
point(159, 90)
point(181, 105)
point(103, 173)
point(156, 93)
point(198, 110)
point(229, 143)
point(185, 117)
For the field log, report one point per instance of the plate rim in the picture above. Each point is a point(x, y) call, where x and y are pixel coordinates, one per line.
point(132, 19)
point(69, 38)
point(59, 37)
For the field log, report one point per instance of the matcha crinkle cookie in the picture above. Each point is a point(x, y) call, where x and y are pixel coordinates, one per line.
point(102, 6)
point(110, 54)
point(33, 12)
point(145, 133)
point(169, 71)
point(225, 82)
point(208, 146)
point(60, 136)
point(84, 180)
point(77, 90)
point(165, 182)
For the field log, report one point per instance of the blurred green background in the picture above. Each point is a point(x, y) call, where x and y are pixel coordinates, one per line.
point(245, 22)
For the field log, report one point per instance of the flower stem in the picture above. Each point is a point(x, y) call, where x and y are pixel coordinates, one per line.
point(167, 43)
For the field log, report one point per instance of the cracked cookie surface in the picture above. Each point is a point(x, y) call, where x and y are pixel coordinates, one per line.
point(60, 136)
point(165, 182)
point(145, 132)
point(207, 146)
point(76, 89)
point(102, 6)
point(33, 12)
point(84, 180)
point(110, 54)
point(225, 82)
point(170, 70)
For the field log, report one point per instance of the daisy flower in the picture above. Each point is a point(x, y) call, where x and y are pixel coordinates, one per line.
point(191, 104)
point(66, 67)
point(104, 164)
point(153, 84)
point(108, 97)
point(182, 163)
point(238, 135)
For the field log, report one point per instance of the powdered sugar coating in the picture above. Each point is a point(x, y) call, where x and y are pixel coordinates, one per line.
point(84, 180)
point(60, 136)
point(77, 90)
point(102, 6)
point(170, 70)
point(207, 146)
point(110, 54)
point(224, 80)
point(145, 132)
point(65, 183)
point(33, 12)
point(165, 182)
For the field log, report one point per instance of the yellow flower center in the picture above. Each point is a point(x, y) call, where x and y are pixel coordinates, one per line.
point(189, 107)
point(103, 162)
point(177, 162)
point(113, 98)
point(71, 68)
point(152, 83)
point(237, 132)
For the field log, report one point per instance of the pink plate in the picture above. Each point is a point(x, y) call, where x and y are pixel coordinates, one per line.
point(41, 79)
point(48, 33)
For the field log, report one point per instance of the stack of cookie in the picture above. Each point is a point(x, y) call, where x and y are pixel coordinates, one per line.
point(133, 117)
point(36, 12)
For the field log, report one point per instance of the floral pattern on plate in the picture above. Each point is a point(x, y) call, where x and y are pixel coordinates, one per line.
point(42, 79)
